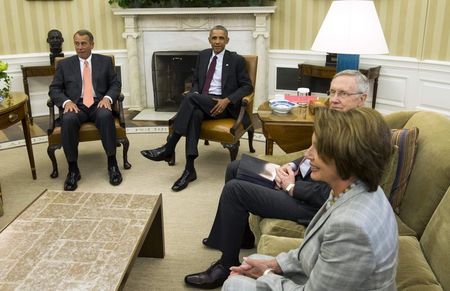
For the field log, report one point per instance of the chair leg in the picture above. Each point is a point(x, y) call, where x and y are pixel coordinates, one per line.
point(126, 144)
point(251, 134)
point(206, 142)
point(51, 154)
point(233, 148)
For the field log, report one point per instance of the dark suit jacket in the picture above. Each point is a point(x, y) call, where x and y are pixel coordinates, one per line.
point(67, 83)
point(236, 83)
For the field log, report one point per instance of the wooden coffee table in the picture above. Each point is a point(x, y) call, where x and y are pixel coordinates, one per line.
point(292, 131)
point(80, 241)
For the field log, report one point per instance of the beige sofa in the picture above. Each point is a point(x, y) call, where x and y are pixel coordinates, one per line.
point(423, 217)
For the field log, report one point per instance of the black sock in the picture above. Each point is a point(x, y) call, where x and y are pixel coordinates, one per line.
point(172, 142)
point(112, 161)
point(73, 167)
point(190, 163)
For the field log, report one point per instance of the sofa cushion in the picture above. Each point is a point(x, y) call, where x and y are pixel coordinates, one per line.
point(430, 176)
point(406, 141)
point(389, 173)
point(413, 271)
point(403, 229)
point(435, 241)
point(279, 227)
point(273, 245)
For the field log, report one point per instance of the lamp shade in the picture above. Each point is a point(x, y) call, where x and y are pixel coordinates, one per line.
point(351, 27)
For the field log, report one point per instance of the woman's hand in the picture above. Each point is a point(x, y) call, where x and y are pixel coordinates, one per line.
point(254, 268)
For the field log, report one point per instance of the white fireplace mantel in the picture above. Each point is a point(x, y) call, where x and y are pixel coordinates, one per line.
point(151, 29)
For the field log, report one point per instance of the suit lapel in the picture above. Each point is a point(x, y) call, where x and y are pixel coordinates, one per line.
point(318, 220)
point(75, 62)
point(225, 68)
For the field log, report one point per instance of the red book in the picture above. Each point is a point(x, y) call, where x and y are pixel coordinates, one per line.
point(300, 99)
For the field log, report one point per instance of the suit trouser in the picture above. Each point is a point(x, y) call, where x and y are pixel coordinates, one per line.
point(238, 199)
point(193, 110)
point(70, 128)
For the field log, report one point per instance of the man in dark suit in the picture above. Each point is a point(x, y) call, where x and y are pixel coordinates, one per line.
point(220, 82)
point(296, 196)
point(86, 85)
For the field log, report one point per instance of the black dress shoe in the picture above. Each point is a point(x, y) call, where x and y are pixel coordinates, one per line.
point(212, 278)
point(245, 244)
point(183, 181)
point(115, 177)
point(70, 184)
point(158, 154)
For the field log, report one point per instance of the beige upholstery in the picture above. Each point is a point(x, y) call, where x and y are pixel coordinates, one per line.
point(88, 131)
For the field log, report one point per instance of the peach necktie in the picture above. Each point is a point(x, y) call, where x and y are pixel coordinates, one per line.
point(88, 98)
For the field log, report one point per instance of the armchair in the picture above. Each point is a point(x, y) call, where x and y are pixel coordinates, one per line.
point(228, 131)
point(88, 131)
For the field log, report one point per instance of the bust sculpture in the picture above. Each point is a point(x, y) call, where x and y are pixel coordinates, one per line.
point(55, 40)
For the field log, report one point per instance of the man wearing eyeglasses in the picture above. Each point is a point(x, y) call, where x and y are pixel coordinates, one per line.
point(348, 90)
point(297, 197)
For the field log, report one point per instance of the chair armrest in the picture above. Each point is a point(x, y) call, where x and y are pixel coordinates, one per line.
point(118, 109)
point(51, 117)
point(245, 101)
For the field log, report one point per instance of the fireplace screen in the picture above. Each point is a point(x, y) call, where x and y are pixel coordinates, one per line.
point(172, 73)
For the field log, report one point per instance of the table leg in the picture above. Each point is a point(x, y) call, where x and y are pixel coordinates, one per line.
point(153, 245)
point(269, 146)
point(27, 135)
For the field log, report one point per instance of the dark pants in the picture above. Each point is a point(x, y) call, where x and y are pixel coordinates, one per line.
point(70, 127)
point(238, 199)
point(193, 110)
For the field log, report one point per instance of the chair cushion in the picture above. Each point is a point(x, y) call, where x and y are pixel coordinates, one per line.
point(413, 271)
point(406, 141)
point(403, 229)
point(273, 245)
point(218, 130)
point(88, 132)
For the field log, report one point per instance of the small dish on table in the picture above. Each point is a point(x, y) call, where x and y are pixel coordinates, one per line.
point(281, 106)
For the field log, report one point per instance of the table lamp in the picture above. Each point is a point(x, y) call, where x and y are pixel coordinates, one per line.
point(351, 28)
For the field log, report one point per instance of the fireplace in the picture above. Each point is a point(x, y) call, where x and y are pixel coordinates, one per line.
point(149, 30)
point(172, 73)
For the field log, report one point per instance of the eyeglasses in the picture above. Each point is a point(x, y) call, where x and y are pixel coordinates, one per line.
point(341, 94)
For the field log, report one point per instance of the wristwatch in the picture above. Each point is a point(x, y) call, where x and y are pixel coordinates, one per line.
point(289, 187)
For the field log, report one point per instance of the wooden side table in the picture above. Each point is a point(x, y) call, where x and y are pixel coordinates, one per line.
point(13, 110)
point(292, 132)
point(318, 78)
point(34, 71)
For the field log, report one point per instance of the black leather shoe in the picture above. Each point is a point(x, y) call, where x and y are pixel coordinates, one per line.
point(70, 184)
point(115, 177)
point(212, 278)
point(245, 244)
point(183, 181)
point(158, 154)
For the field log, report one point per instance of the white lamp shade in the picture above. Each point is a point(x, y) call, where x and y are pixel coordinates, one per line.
point(351, 27)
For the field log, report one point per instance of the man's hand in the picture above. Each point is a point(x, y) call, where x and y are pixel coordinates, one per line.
point(220, 106)
point(254, 268)
point(104, 103)
point(285, 176)
point(70, 106)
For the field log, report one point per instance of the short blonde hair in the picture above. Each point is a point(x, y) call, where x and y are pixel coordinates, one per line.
point(358, 141)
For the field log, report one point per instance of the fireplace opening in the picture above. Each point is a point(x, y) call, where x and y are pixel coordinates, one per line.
point(172, 74)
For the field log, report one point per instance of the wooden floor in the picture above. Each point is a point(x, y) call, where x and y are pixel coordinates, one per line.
point(41, 123)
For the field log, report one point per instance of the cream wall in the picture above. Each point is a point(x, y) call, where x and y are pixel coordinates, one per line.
point(413, 28)
point(33, 19)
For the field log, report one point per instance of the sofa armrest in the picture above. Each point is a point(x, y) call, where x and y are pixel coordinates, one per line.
point(398, 119)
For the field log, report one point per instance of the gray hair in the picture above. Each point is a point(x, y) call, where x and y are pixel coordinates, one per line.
point(219, 27)
point(361, 80)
